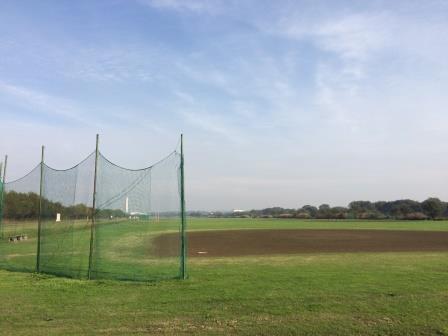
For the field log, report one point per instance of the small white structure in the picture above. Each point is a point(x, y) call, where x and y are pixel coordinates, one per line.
point(127, 205)
point(58, 217)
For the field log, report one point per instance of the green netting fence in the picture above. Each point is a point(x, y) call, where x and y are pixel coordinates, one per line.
point(96, 220)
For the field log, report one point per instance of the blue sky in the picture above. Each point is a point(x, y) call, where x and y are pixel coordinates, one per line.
point(281, 102)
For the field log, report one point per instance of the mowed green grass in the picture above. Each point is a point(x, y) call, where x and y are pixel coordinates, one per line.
point(201, 224)
point(121, 249)
point(319, 294)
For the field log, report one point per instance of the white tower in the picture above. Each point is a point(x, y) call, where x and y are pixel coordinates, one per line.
point(127, 205)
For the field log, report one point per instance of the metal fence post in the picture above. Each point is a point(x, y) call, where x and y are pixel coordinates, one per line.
point(39, 218)
point(92, 227)
point(183, 214)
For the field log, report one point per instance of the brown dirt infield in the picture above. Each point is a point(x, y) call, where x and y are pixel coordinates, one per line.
point(267, 242)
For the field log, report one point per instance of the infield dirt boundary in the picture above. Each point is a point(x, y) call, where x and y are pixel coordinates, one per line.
point(233, 243)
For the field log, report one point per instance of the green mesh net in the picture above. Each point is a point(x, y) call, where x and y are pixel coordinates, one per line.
point(135, 231)
point(20, 208)
point(134, 207)
point(66, 219)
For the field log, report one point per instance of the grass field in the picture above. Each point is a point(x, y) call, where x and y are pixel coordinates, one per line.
point(121, 249)
point(200, 224)
point(402, 293)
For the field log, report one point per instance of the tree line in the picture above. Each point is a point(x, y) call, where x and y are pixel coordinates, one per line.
point(25, 206)
point(432, 208)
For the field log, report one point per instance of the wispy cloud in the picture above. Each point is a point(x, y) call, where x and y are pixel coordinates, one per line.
point(51, 109)
point(213, 127)
point(359, 52)
point(112, 63)
point(46, 104)
point(103, 62)
point(355, 36)
point(194, 6)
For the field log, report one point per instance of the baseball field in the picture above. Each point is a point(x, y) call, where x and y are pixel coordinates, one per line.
point(255, 276)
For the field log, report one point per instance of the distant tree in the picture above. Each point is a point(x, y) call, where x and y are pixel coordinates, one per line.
point(20, 205)
point(338, 213)
point(311, 210)
point(363, 210)
point(416, 216)
point(381, 206)
point(433, 207)
point(324, 211)
point(275, 211)
point(324, 207)
point(401, 208)
point(361, 206)
point(303, 214)
point(371, 214)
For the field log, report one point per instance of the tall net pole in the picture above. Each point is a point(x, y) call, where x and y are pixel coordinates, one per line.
point(182, 209)
point(92, 228)
point(2, 196)
point(39, 218)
